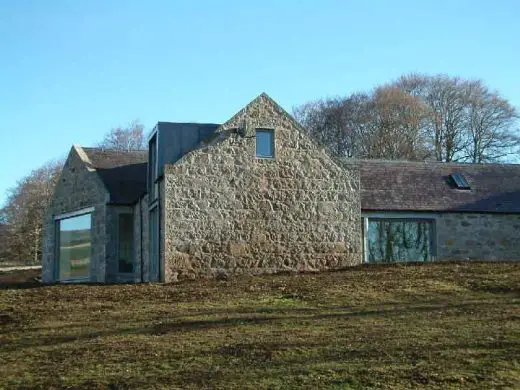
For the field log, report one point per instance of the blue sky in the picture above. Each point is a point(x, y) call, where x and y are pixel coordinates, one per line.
point(71, 70)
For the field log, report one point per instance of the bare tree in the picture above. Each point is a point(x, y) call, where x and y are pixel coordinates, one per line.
point(386, 123)
point(24, 211)
point(398, 119)
point(417, 117)
point(447, 99)
point(469, 122)
point(358, 115)
point(414, 84)
point(491, 121)
point(130, 137)
point(4, 241)
point(337, 123)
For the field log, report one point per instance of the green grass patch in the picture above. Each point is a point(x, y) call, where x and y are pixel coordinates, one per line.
point(439, 326)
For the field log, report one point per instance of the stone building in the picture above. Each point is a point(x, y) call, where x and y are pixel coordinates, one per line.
point(257, 195)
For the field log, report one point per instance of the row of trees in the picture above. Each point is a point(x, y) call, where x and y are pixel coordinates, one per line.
point(417, 117)
point(23, 213)
point(21, 218)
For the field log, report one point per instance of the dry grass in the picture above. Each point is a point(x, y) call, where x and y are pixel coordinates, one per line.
point(439, 325)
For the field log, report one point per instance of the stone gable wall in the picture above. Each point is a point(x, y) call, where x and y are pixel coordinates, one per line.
point(227, 211)
point(77, 188)
point(474, 236)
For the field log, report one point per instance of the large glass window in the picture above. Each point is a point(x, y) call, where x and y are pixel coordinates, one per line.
point(399, 240)
point(264, 143)
point(74, 237)
point(126, 243)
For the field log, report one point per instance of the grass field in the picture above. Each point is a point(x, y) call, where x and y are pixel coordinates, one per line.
point(438, 326)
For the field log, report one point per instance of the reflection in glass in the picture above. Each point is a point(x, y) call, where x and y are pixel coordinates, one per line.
point(264, 143)
point(74, 247)
point(399, 240)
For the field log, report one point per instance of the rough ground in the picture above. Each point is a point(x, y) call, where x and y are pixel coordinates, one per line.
point(438, 326)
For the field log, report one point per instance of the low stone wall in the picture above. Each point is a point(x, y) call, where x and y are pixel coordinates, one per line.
point(478, 236)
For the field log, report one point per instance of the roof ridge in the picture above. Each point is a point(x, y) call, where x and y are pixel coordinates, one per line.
point(191, 123)
point(426, 162)
point(113, 149)
point(82, 154)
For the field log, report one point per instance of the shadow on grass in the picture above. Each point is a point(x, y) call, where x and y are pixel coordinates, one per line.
point(21, 285)
point(496, 289)
point(249, 318)
point(19, 280)
point(300, 358)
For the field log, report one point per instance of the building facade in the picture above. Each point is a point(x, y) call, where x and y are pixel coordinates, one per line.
point(257, 195)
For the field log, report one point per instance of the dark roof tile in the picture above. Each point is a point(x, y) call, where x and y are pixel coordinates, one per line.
point(123, 172)
point(425, 186)
point(109, 158)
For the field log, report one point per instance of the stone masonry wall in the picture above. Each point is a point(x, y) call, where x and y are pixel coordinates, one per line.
point(478, 236)
point(228, 211)
point(77, 188)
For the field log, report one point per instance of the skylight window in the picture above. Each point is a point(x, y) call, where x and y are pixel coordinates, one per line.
point(460, 181)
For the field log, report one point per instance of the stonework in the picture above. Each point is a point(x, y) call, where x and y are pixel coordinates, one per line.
point(78, 188)
point(226, 211)
point(474, 236)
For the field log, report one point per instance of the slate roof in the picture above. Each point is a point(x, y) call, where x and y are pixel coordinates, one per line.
point(385, 185)
point(425, 186)
point(123, 172)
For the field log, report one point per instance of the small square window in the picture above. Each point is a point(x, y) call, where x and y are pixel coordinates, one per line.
point(264, 143)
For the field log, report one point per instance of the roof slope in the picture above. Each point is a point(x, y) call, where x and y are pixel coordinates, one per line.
point(123, 172)
point(109, 158)
point(425, 186)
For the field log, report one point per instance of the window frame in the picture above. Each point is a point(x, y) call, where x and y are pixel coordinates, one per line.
point(460, 181)
point(409, 217)
point(272, 132)
point(118, 238)
point(153, 167)
point(154, 255)
point(57, 243)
